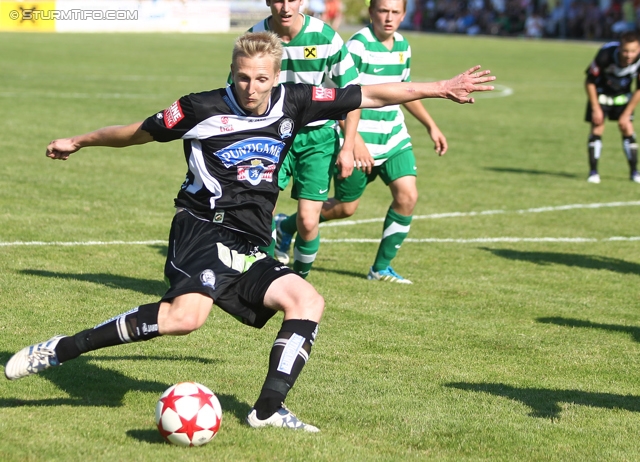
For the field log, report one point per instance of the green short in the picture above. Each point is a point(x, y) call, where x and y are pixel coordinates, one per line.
point(401, 164)
point(310, 162)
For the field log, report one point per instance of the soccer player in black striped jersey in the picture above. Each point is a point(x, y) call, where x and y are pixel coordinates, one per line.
point(234, 139)
point(608, 84)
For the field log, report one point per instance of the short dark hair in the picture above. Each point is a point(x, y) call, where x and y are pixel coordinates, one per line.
point(373, 4)
point(629, 37)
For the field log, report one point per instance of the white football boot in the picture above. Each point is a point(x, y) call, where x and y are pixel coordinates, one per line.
point(33, 359)
point(282, 418)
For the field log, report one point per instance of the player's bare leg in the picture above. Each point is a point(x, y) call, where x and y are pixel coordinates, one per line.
point(334, 209)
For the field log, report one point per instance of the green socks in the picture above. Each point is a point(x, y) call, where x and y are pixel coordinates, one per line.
point(395, 230)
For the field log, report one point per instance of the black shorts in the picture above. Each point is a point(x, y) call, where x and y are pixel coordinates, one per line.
point(206, 258)
point(609, 112)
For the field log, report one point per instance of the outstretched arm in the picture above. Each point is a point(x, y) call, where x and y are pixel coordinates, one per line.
point(456, 89)
point(117, 136)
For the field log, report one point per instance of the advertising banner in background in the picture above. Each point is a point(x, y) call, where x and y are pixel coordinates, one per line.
point(190, 16)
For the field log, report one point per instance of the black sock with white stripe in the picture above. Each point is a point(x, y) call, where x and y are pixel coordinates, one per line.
point(140, 323)
point(289, 354)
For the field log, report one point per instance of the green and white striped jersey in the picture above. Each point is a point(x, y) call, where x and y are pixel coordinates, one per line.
point(316, 56)
point(382, 129)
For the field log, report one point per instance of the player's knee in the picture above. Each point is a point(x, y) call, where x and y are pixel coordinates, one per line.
point(406, 201)
point(181, 320)
point(348, 209)
point(308, 222)
point(184, 323)
point(305, 303)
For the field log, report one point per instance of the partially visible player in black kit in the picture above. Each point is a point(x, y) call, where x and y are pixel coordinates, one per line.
point(234, 141)
point(608, 85)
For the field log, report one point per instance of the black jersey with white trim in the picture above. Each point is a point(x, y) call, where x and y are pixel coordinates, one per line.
point(233, 157)
point(610, 78)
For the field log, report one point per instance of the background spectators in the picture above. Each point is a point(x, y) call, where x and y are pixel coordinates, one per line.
point(575, 19)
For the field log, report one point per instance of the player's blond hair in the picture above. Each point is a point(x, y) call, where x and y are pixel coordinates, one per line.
point(253, 44)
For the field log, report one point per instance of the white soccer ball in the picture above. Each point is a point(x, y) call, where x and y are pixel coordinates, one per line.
point(188, 414)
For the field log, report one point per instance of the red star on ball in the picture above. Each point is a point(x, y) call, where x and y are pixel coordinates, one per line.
point(203, 397)
point(189, 427)
point(169, 402)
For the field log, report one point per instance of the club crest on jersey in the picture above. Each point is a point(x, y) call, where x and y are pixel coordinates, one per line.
point(286, 128)
point(258, 147)
point(208, 278)
point(323, 94)
point(173, 114)
point(256, 172)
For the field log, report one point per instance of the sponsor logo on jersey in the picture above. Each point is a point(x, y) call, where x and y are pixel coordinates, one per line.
point(594, 70)
point(256, 172)
point(401, 57)
point(310, 52)
point(251, 148)
point(286, 128)
point(208, 278)
point(323, 94)
point(173, 114)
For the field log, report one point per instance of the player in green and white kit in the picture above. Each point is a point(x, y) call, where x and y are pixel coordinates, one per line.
point(314, 54)
point(382, 55)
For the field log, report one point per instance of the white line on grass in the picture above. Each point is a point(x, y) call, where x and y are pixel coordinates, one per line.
point(58, 95)
point(434, 216)
point(344, 241)
point(489, 240)
point(78, 243)
point(416, 217)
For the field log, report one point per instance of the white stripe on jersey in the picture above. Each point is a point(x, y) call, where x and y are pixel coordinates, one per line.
point(399, 139)
point(202, 175)
point(213, 126)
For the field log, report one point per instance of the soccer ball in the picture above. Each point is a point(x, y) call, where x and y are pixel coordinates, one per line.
point(188, 414)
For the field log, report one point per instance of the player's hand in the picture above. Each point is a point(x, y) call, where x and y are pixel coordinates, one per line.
point(362, 158)
point(439, 141)
point(61, 149)
point(597, 116)
point(461, 86)
point(345, 163)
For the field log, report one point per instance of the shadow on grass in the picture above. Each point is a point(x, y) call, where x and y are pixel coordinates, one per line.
point(229, 403)
point(545, 403)
point(353, 274)
point(569, 259)
point(163, 250)
point(90, 385)
point(569, 322)
point(145, 286)
point(531, 172)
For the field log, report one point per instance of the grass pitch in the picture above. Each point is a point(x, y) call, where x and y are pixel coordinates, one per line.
point(518, 340)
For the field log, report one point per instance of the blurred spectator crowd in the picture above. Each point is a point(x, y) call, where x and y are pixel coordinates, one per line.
point(573, 19)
